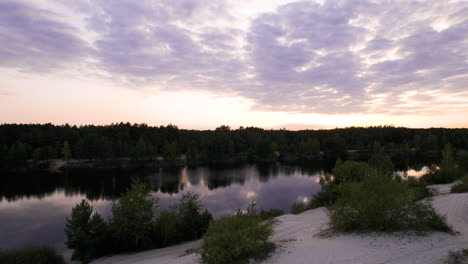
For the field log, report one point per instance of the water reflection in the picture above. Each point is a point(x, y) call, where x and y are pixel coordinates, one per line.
point(33, 207)
point(414, 172)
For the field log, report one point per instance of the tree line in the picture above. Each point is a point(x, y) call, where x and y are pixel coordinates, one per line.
point(24, 144)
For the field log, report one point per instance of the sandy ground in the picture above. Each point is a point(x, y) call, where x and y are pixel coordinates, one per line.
point(297, 242)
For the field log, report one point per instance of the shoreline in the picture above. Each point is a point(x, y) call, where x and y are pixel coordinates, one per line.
point(57, 165)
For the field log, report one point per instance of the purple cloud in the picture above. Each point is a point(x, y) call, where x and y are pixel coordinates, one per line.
point(34, 39)
point(331, 58)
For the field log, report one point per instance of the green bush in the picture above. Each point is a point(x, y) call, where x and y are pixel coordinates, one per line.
point(463, 162)
point(461, 187)
point(31, 255)
point(235, 239)
point(380, 160)
point(271, 213)
point(457, 257)
point(348, 171)
point(442, 176)
point(327, 196)
point(419, 188)
point(447, 172)
point(379, 203)
point(297, 208)
point(181, 222)
point(192, 222)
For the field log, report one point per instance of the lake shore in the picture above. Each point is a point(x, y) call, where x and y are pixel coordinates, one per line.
point(300, 240)
point(57, 164)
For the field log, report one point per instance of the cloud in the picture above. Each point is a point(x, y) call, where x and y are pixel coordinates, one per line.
point(34, 39)
point(338, 57)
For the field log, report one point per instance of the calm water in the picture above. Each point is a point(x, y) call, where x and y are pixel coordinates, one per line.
point(33, 207)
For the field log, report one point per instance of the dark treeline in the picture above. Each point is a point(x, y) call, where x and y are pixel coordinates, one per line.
point(38, 143)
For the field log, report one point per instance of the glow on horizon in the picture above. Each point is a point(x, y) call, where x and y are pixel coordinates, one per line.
point(81, 102)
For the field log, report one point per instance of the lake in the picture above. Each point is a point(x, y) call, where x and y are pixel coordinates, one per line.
point(33, 207)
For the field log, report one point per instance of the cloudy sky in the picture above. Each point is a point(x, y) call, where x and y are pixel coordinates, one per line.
point(203, 63)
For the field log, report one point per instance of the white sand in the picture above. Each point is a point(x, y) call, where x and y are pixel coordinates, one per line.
point(295, 235)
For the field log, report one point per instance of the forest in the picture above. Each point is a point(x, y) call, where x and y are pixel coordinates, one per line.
point(28, 145)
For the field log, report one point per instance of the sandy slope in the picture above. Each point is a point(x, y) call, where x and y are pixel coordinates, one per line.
point(176, 255)
point(372, 248)
point(295, 235)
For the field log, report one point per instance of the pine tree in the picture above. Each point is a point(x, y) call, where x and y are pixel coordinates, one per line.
point(67, 155)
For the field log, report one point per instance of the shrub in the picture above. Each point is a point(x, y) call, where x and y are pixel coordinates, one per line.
point(31, 255)
point(379, 203)
point(461, 187)
point(327, 196)
point(447, 172)
point(297, 208)
point(86, 232)
point(342, 172)
point(380, 160)
point(442, 176)
point(350, 171)
point(192, 222)
point(457, 257)
point(235, 239)
point(271, 213)
point(463, 162)
point(181, 222)
point(419, 188)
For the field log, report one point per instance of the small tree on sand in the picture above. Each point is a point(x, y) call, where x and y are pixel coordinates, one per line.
point(134, 216)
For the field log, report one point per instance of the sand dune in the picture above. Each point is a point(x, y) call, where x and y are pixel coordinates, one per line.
point(298, 243)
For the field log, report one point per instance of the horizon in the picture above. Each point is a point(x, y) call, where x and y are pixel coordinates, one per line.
point(294, 128)
point(298, 65)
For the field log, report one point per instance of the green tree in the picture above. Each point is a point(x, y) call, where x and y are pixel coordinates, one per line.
point(17, 155)
point(431, 143)
point(448, 160)
point(133, 217)
point(380, 160)
point(36, 156)
point(171, 151)
point(193, 222)
point(310, 147)
point(141, 149)
point(86, 232)
point(66, 151)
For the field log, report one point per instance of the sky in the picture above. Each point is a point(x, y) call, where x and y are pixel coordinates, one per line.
point(200, 64)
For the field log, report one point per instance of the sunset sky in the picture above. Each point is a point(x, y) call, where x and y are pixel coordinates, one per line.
point(204, 63)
